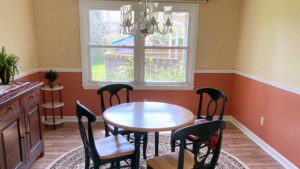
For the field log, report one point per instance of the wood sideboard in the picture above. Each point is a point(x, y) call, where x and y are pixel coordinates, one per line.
point(21, 140)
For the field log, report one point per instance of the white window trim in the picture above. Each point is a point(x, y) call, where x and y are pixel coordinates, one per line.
point(85, 5)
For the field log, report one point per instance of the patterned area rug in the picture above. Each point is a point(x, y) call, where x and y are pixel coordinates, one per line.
point(74, 159)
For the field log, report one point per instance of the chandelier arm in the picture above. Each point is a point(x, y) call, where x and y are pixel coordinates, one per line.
point(148, 23)
point(163, 31)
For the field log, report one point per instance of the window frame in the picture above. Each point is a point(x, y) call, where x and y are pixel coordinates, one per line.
point(139, 62)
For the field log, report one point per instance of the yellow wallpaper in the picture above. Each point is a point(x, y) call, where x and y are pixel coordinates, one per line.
point(17, 31)
point(269, 40)
point(58, 33)
point(218, 34)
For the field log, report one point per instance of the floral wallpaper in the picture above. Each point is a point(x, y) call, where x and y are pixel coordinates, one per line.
point(58, 33)
point(17, 32)
point(269, 40)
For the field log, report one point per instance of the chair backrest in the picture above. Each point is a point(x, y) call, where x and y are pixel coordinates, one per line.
point(215, 105)
point(113, 90)
point(87, 138)
point(205, 146)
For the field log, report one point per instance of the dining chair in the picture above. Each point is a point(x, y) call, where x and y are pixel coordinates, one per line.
point(111, 149)
point(211, 104)
point(115, 91)
point(207, 153)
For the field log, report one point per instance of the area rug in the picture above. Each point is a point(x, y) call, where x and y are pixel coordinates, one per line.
point(74, 159)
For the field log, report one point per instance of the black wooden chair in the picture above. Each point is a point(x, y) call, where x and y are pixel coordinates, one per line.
point(207, 110)
point(207, 153)
point(111, 149)
point(114, 90)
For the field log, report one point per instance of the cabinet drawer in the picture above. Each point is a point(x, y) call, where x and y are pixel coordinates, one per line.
point(9, 107)
point(30, 97)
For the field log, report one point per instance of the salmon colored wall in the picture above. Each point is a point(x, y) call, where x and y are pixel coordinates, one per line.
point(252, 99)
point(187, 98)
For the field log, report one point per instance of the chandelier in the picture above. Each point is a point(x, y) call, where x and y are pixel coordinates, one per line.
point(149, 19)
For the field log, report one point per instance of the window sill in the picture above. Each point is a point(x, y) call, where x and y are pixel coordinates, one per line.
point(147, 87)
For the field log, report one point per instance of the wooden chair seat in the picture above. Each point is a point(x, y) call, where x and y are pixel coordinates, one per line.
point(213, 140)
point(196, 121)
point(113, 147)
point(192, 138)
point(170, 161)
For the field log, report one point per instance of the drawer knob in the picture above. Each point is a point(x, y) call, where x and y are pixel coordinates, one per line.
point(10, 107)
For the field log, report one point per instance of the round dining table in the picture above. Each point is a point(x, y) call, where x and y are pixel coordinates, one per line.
point(142, 117)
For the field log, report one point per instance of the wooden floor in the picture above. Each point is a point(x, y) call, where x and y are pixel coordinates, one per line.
point(66, 138)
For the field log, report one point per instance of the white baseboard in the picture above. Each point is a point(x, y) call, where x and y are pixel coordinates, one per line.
point(72, 118)
point(262, 144)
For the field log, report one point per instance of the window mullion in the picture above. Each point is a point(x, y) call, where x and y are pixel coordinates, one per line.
point(139, 57)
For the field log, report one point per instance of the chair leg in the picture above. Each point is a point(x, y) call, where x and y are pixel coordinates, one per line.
point(128, 137)
point(96, 166)
point(156, 143)
point(106, 130)
point(118, 164)
point(173, 142)
point(87, 160)
point(145, 142)
point(133, 164)
point(194, 147)
point(112, 165)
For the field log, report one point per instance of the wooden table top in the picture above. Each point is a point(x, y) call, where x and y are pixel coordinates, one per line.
point(148, 116)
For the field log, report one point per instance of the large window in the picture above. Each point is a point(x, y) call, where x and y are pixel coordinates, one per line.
point(157, 61)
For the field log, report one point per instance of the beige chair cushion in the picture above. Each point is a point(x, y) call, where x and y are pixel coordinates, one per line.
point(170, 161)
point(113, 146)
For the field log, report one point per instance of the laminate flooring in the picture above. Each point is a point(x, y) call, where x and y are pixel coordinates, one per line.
point(235, 142)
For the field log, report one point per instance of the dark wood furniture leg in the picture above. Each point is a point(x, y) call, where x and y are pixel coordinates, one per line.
point(137, 144)
point(145, 142)
point(156, 143)
point(173, 144)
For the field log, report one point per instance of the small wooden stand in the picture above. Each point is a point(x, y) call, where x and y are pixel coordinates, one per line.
point(52, 105)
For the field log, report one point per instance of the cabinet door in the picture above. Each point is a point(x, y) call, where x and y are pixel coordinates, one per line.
point(12, 141)
point(33, 131)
